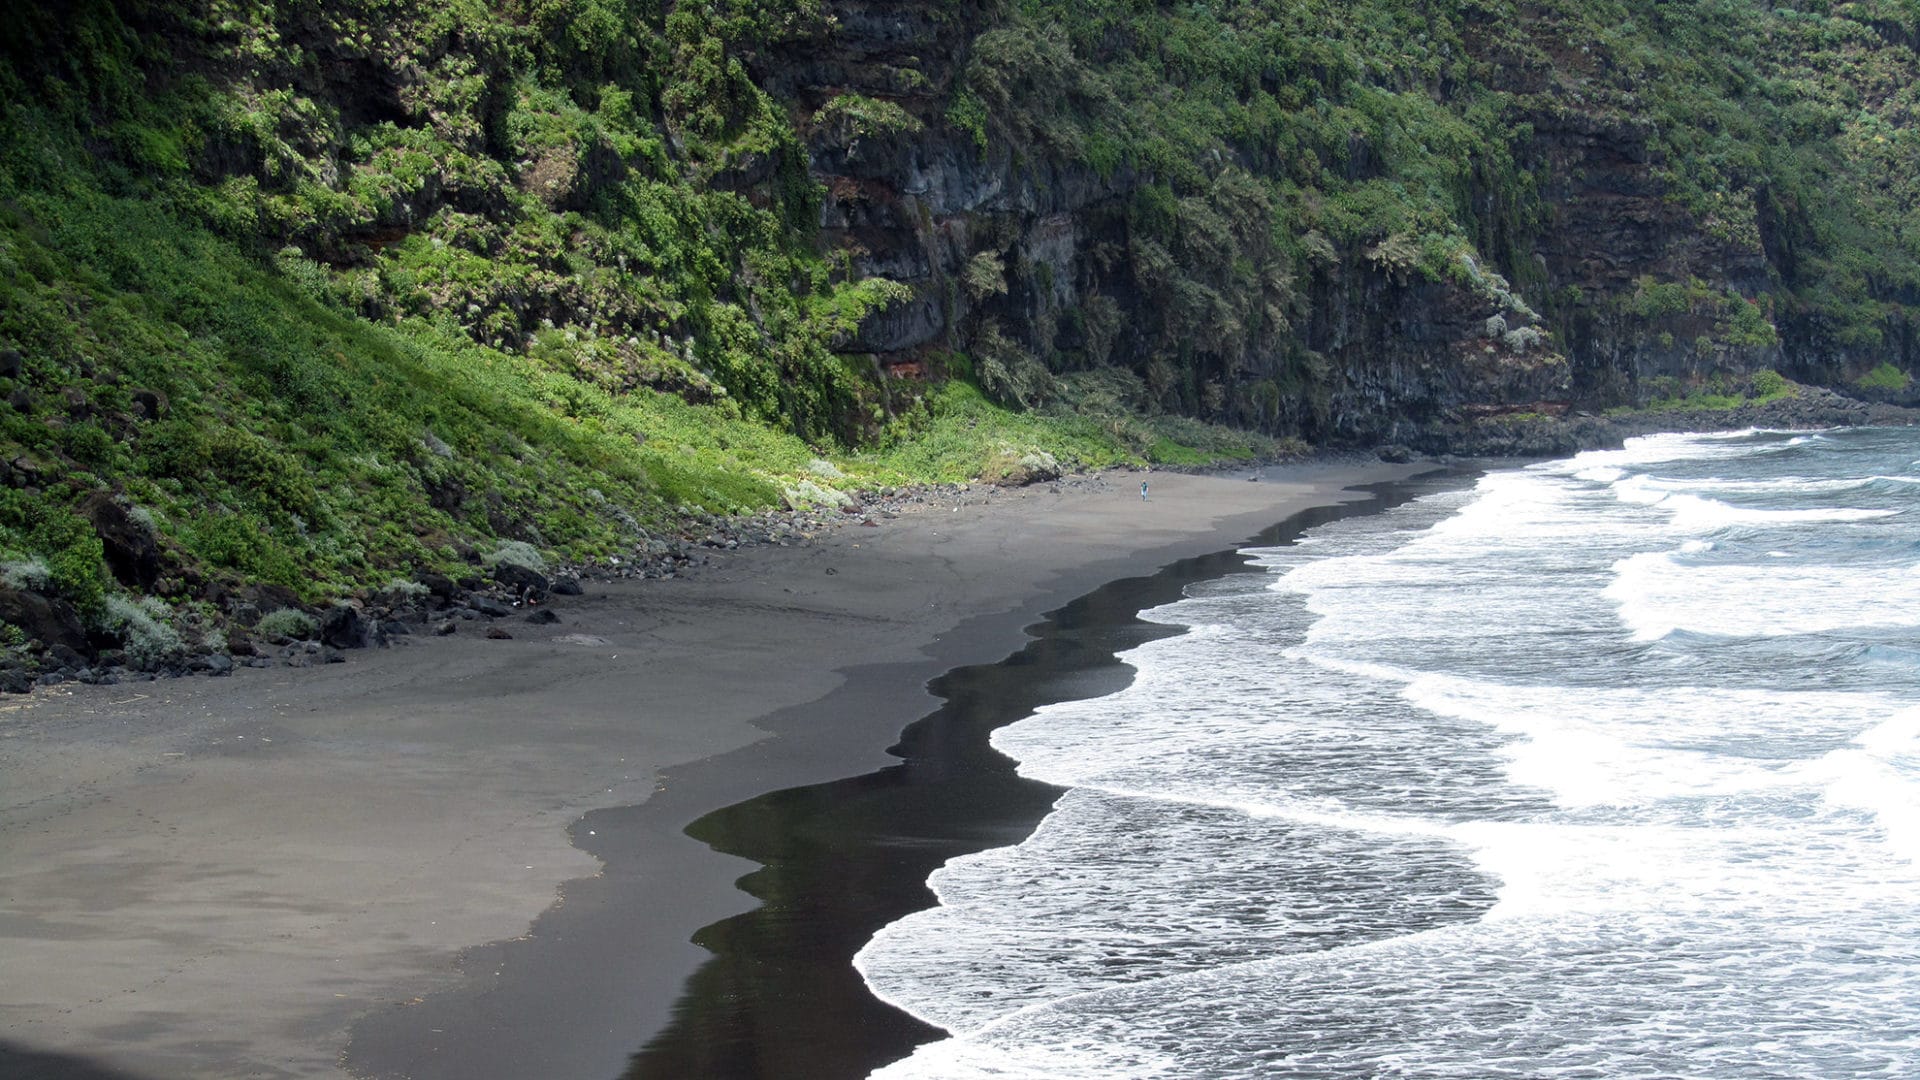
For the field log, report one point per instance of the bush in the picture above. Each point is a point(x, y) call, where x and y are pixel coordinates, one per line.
point(1885, 377)
point(516, 553)
point(29, 574)
point(287, 624)
point(1769, 384)
point(63, 542)
point(143, 625)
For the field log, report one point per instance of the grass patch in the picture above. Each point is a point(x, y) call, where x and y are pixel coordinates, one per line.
point(1885, 377)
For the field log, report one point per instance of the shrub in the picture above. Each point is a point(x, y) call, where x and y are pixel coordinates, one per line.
point(63, 542)
point(865, 117)
point(150, 640)
point(402, 589)
point(516, 553)
point(1884, 377)
point(1769, 384)
point(29, 574)
point(287, 624)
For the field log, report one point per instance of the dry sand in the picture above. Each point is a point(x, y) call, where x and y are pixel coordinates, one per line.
point(219, 877)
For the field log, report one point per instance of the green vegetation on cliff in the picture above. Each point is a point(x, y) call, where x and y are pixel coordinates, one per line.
point(330, 292)
point(322, 293)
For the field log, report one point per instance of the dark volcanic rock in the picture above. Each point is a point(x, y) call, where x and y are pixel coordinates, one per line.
point(343, 627)
point(53, 623)
point(498, 634)
point(566, 586)
point(76, 403)
point(490, 607)
point(149, 404)
point(439, 585)
point(132, 554)
point(543, 617)
point(521, 580)
point(266, 597)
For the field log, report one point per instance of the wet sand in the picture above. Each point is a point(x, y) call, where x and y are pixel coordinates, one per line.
point(382, 868)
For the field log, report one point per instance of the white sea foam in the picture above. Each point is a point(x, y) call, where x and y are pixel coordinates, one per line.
point(1657, 594)
point(1554, 777)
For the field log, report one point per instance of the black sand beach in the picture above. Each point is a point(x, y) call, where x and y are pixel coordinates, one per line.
point(781, 1000)
point(292, 873)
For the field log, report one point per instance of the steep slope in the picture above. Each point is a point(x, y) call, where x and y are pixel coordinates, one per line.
point(315, 295)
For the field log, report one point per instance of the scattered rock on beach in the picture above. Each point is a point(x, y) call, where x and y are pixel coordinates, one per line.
point(543, 617)
point(343, 627)
point(444, 628)
point(521, 580)
point(490, 607)
point(499, 633)
point(439, 586)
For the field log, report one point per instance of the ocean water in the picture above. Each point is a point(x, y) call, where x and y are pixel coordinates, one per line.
point(1607, 767)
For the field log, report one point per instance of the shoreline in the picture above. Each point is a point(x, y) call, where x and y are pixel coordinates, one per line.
point(221, 877)
point(839, 860)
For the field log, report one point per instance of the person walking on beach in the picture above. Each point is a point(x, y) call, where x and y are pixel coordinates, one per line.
point(1143, 491)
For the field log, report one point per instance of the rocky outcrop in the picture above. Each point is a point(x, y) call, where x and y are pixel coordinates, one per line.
point(131, 552)
point(53, 623)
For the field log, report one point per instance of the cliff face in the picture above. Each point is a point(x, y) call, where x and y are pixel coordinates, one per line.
point(1650, 276)
point(1032, 259)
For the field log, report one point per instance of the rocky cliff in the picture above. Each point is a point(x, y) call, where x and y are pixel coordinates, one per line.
point(1579, 264)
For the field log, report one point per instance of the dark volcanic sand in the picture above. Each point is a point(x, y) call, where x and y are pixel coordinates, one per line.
point(780, 1000)
point(289, 874)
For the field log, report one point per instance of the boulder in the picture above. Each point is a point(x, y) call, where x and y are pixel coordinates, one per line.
point(439, 586)
point(543, 617)
point(53, 623)
point(521, 579)
point(566, 586)
point(490, 607)
point(60, 656)
point(1032, 467)
point(264, 597)
point(150, 404)
point(343, 627)
point(131, 551)
point(75, 402)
